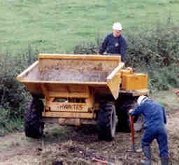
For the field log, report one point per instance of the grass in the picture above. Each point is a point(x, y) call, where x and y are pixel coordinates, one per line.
point(168, 99)
point(57, 26)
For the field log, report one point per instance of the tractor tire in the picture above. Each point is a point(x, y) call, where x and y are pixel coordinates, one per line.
point(33, 124)
point(123, 105)
point(107, 121)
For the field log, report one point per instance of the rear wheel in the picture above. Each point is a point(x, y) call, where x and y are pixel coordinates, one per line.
point(33, 119)
point(123, 104)
point(107, 121)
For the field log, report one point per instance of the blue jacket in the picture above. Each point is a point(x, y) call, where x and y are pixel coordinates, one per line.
point(154, 114)
point(114, 45)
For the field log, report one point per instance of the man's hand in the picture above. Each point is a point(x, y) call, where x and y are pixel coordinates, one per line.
point(129, 68)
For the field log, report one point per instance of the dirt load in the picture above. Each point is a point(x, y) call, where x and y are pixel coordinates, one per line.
point(80, 146)
point(58, 75)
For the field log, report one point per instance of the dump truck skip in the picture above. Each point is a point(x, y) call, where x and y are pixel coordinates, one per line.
point(81, 89)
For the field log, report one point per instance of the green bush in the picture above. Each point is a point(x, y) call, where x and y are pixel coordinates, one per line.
point(87, 48)
point(13, 95)
point(156, 48)
point(9, 123)
point(164, 78)
point(155, 52)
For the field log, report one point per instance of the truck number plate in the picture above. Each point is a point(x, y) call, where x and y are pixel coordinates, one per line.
point(68, 107)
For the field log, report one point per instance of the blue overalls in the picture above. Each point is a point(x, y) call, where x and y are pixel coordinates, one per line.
point(154, 126)
point(114, 45)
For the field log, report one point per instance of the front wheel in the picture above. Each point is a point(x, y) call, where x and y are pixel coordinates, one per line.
point(107, 121)
point(33, 119)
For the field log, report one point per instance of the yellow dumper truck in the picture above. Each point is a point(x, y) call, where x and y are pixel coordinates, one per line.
point(80, 89)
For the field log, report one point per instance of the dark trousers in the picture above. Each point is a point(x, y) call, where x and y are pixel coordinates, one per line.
point(160, 134)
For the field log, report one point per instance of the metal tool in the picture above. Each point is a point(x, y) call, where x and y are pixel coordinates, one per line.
point(132, 133)
point(101, 162)
point(133, 148)
point(131, 118)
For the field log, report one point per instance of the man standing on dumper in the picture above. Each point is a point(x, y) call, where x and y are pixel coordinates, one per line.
point(114, 43)
point(154, 128)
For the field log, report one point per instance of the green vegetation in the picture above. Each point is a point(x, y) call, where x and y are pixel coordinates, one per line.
point(56, 26)
point(156, 53)
point(29, 27)
point(13, 96)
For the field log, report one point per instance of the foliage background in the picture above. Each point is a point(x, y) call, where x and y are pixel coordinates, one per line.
point(30, 27)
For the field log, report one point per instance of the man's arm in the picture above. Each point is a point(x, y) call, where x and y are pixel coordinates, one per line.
point(103, 46)
point(137, 111)
point(123, 47)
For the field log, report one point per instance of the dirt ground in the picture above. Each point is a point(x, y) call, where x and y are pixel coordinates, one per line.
point(80, 146)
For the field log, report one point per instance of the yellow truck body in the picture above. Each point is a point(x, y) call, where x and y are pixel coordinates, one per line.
point(72, 86)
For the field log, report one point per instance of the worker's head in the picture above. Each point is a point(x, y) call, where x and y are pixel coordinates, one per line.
point(142, 99)
point(117, 28)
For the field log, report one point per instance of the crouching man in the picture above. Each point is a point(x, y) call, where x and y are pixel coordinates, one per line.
point(154, 128)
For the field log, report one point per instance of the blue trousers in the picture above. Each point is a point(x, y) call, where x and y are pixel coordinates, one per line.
point(160, 134)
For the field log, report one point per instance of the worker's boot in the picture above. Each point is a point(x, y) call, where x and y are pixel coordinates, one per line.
point(145, 162)
point(139, 150)
point(147, 156)
point(164, 161)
